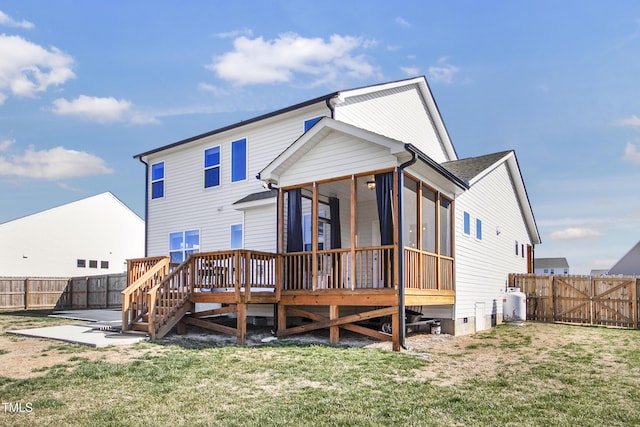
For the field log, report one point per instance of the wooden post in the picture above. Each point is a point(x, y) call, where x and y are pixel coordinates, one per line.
point(26, 294)
point(395, 330)
point(86, 289)
point(242, 323)
point(396, 231)
point(106, 292)
point(634, 303)
point(334, 331)
point(354, 236)
point(282, 317)
point(314, 237)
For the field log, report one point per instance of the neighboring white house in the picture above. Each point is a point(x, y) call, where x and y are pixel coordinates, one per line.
point(551, 266)
point(89, 237)
point(629, 264)
point(471, 217)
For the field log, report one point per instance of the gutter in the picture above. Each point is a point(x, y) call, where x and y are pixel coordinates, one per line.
point(401, 309)
point(146, 206)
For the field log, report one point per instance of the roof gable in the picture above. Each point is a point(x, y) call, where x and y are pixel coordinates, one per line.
point(473, 169)
point(426, 98)
point(315, 135)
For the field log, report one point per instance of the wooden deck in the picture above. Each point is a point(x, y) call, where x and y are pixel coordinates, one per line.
point(346, 287)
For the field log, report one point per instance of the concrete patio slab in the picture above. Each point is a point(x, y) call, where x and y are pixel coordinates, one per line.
point(89, 334)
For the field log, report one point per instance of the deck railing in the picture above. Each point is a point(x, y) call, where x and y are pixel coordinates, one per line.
point(362, 268)
point(168, 296)
point(240, 270)
point(144, 275)
point(422, 269)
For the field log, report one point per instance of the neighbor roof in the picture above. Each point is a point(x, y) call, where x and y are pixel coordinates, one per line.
point(551, 263)
point(628, 264)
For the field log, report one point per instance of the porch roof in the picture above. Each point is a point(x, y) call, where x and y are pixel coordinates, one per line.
point(403, 152)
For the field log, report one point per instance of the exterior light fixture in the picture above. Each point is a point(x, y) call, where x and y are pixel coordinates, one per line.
point(371, 185)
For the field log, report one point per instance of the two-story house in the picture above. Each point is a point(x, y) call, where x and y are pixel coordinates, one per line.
point(345, 208)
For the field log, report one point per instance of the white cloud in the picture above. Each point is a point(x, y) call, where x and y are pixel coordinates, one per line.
point(5, 144)
point(101, 110)
point(402, 22)
point(8, 21)
point(410, 71)
point(259, 61)
point(217, 91)
point(235, 33)
point(53, 164)
point(633, 121)
point(631, 154)
point(27, 68)
point(442, 72)
point(574, 233)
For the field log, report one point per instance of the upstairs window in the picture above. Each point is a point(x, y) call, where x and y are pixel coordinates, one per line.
point(104, 264)
point(467, 223)
point(479, 229)
point(239, 160)
point(516, 247)
point(182, 244)
point(212, 167)
point(81, 263)
point(308, 124)
point(157, 180)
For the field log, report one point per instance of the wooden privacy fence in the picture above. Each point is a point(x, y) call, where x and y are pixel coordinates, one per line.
point(590, 300)
point(30, 293)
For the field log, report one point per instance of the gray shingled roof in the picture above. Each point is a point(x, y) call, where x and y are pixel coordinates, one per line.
point(467, 169)
point(258, 196)
point(628, 264)
point(551, 263)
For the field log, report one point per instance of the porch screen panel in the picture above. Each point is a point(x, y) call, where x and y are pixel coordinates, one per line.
point(384, 188)
point(410, 213)
point(445, 227)
point(428, 220)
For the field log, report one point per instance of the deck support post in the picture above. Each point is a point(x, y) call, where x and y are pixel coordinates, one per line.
point(395, 331)
point(282, 317)
point(241, 323)
point(334, 331)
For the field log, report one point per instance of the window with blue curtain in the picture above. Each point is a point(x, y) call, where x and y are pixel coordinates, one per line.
point(236, 236)
point(157, 180)
point(467, 223)
point(212, 167)
point(239, 160)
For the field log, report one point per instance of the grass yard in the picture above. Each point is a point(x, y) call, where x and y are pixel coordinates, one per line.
point(539, 374)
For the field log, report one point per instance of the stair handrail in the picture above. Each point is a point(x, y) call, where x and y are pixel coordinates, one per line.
point(138, 287)
point(173, 298)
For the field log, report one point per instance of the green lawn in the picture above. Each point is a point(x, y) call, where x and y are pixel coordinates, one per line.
point(532, 375)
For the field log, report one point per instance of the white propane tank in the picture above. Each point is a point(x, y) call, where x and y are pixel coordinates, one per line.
point(514, 306)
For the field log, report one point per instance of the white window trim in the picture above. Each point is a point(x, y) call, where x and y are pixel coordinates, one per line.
point(205, 169)
point(246, 160)
point(163, 179)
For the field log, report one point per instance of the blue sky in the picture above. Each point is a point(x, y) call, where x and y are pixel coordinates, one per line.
point(84, 86)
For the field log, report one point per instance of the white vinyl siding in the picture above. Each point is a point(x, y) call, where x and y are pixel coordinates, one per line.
point(397, 113)
point(190, 206)
point(482, 266)
point(335, 156)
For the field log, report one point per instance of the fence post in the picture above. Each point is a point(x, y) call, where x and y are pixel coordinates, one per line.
point(86, 288)
point(26, 293)
point(106, 292)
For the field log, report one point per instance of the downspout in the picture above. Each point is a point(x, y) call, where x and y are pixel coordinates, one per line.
point(146, 205)
point(330, 107)
point(401, 309)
